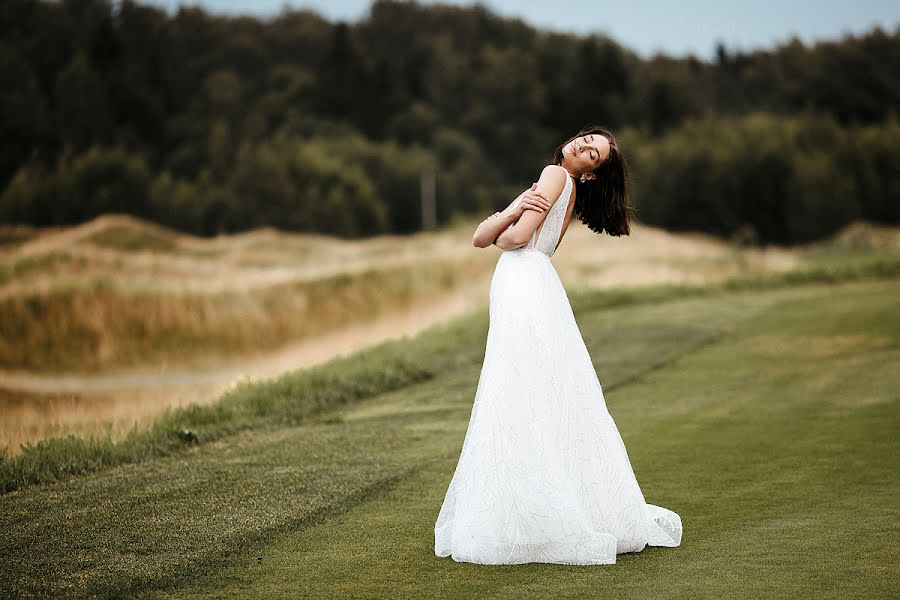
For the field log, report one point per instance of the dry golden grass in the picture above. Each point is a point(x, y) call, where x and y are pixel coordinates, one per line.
point(114, 319)
point(650, 256)
point(117, 292)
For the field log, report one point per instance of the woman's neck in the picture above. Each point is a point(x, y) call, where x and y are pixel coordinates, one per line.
point(571, 174)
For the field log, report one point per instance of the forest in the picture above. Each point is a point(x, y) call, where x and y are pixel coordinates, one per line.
point(213, 124)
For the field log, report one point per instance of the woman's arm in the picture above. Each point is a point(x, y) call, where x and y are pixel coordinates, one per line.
point(491, 228)
point(550, 185)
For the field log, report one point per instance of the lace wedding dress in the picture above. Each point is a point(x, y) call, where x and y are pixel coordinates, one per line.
point(543, 475)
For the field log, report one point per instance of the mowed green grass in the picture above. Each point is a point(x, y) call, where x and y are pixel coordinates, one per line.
point(767, 419)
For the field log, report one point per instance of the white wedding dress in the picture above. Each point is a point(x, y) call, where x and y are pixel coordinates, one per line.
point(543, 475)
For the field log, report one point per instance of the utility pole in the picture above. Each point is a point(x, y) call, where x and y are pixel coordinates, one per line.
point(427, 194)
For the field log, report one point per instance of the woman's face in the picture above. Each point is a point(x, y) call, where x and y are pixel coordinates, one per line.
point(585, 153)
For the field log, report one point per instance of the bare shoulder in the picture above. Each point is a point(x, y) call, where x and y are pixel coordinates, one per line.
point(552, 181)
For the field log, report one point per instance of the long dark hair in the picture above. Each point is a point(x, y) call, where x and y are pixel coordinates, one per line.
point(603, 203)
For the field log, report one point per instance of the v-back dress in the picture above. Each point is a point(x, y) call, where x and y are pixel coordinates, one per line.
point(543, 475)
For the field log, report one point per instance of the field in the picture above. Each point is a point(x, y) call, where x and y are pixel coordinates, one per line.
point(114, 320)
point(764, 412)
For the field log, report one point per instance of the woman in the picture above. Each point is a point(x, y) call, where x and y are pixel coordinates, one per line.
point(544, 475)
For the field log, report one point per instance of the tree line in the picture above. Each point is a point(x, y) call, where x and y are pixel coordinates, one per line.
point(212, 124)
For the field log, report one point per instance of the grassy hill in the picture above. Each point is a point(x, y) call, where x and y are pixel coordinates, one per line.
point(119, 292)
point(763, 411)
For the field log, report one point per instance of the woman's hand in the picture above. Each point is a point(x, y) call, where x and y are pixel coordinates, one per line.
point(531, 200)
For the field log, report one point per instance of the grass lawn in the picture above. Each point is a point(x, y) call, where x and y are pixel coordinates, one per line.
point(766, 418)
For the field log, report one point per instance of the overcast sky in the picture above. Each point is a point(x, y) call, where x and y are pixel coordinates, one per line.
point(678, 28)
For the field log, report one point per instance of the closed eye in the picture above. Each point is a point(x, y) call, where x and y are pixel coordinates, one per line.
point(590, 139)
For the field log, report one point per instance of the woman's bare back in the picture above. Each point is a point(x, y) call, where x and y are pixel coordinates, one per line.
point(569, 209)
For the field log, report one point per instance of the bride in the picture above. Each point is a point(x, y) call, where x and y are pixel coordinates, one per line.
point(543, 475)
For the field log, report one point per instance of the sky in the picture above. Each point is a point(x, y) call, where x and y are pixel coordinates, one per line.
point(645, 26)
